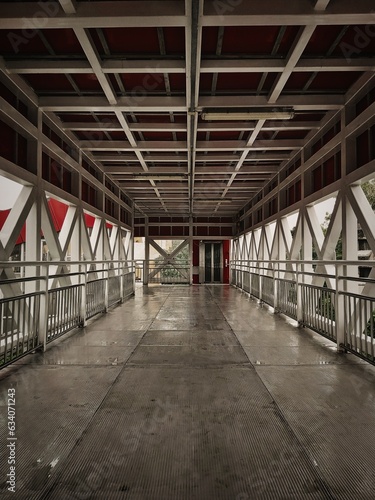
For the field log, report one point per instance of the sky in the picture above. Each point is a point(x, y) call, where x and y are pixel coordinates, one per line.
point(9, 191)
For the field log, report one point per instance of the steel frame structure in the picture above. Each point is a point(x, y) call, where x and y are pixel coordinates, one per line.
point(225, 168)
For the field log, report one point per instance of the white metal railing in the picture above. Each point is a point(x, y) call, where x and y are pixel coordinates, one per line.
point(336, 304)
point(162, 271)
point(35, 310)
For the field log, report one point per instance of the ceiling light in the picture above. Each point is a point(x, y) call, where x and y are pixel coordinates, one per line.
point(159, 177)
point(248, 114)
point(214, 200)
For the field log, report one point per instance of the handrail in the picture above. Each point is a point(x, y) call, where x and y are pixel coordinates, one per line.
point(343, 311)
point(34, 310)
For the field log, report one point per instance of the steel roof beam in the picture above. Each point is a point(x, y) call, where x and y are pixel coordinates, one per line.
point(297, 13)
point(293, 57)
point(163, 14)
point(178, 104)
point(150, 67)
point(297, 101)
point(124, 14)
point(247, 126)
point(132, 103)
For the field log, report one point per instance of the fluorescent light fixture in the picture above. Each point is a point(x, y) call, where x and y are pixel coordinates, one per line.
point(214, 200)
point(159, 177)
point(233, 114)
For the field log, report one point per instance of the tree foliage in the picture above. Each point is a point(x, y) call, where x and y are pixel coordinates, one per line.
point(369, 190)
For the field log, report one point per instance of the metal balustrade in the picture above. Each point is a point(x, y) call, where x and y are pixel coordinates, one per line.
point(359, 325)
point(35, 310)
point(286, 297)
point(268, 294)
point(127, 284)
point(114, 290)
point(64, 310)
point(255, 285)
point(19, 326)
point(162, 272)
point(318, 307)
point(95, 297)
point(339, 306)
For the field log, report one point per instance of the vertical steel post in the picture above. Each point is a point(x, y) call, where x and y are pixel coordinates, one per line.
point(299, 283)
point(43, 306)
point(339, 308)
point(106, 285)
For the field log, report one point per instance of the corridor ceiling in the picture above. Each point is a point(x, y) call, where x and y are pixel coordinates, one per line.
point(128, 80)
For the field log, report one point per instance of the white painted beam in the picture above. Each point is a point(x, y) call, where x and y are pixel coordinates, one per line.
point(152, 67)
point(31, 15)
point(133, 103)
point(295, 13)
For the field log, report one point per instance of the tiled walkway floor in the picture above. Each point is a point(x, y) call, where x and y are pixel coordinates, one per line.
point(191, 393)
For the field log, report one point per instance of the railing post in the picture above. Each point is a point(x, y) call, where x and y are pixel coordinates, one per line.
point(83, 278)
point(299, 283)
point(106, 286)
point(146, 268)
point(339, 308)
point(121, 276)
point(43, 310)
point(275, 275)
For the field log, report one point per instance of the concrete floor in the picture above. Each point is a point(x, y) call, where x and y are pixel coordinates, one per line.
point(191, 393)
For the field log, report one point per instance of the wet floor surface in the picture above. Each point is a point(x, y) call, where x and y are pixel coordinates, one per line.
point(191, 393)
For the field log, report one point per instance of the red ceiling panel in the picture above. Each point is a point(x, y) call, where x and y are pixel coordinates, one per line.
point(79, 117)
point(85, 135)
point(238, 81)
point(358, 41)
point(143, 83)
point(321, 40)
point(297, 81)
point(63, 41)
point(249, 39)
point(20, 42)
point(292, 134)
point(209, 40)
point(132, 40)
point(287, 40)
point(179, 118)
point(118, 135)
point(301, 117)
point(177, 81)
point(181, 136)
point(158, 136)
point(87, 82)
point(265, 134)
point(155, 118)
point(270, 80)
point(174, 39)
point(205, 82)
point(328, 80)
point(224, 135)
point(114, 83)
point(57, 83)
point(96, 40)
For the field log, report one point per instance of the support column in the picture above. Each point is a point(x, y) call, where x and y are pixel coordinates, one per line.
point(146, 267)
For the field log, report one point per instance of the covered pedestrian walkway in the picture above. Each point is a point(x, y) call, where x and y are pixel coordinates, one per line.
point(192, 393)
point(212, 151)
